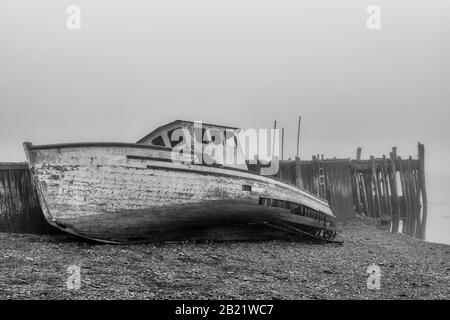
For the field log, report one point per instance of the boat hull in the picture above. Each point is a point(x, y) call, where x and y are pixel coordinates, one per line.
point(133, 193)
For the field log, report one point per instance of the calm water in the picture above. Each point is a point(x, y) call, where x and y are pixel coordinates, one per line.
point(438, 224)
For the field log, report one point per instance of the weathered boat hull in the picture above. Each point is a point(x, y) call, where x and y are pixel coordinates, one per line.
point(114, 192)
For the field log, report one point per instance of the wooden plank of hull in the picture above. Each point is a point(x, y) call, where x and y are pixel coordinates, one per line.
point(116, 193)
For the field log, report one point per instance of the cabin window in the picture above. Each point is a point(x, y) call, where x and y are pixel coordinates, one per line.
point(173, 143)
point(158, 141)
point(246, 187)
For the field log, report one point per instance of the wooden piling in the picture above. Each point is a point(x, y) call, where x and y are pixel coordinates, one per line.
point(423, 189)
point(298, 173)
point(412, 197)
point(364, 194)
point(376, 186)
point(298, 134)
point(357, 195)
point(386, 196)
point(358, 153)
point(370, 194)
point(379, 192)
point(405, 201)
point(315, 174)
point(394, 194)
point(417, 204)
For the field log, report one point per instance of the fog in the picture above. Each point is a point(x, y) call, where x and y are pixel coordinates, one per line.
point(135, 65)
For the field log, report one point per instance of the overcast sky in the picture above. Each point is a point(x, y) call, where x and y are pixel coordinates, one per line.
point(136, 65)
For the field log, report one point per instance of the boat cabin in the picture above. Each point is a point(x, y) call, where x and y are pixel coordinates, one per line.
point(219, 145)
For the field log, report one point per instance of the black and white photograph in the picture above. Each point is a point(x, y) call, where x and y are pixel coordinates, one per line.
point(224, 156)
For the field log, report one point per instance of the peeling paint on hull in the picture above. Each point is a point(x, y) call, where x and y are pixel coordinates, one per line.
point(117, 193)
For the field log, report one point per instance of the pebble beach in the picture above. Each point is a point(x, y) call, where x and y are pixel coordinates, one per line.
point(37, 267)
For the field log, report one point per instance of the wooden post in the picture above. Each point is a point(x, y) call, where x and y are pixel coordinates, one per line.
point(319, 175)
point(376, 186)
point(327, 183)
point(315, 175)
point(358, 153)
point(394, 152)
point(298, 173)
point(387, 198)
point(412, 198)
point(379, 192)
point(416, 192)
point(417, 201)
point(423, 189)
point(394, 195)
point(404, 196)
point(356, 186)
point(298, 134)
point(274, 135)
point(364, 193)
point(370, 194)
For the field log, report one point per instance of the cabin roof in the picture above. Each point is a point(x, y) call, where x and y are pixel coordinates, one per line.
point(180, 122)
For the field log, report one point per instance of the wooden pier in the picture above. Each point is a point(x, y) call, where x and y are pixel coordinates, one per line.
point(388, 188)
point(20, 211)
point(392, 189)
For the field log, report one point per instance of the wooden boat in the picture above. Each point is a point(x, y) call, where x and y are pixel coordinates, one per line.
point(134, 192)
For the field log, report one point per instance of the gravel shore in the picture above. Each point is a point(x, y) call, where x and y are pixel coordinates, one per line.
point(35, 267)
